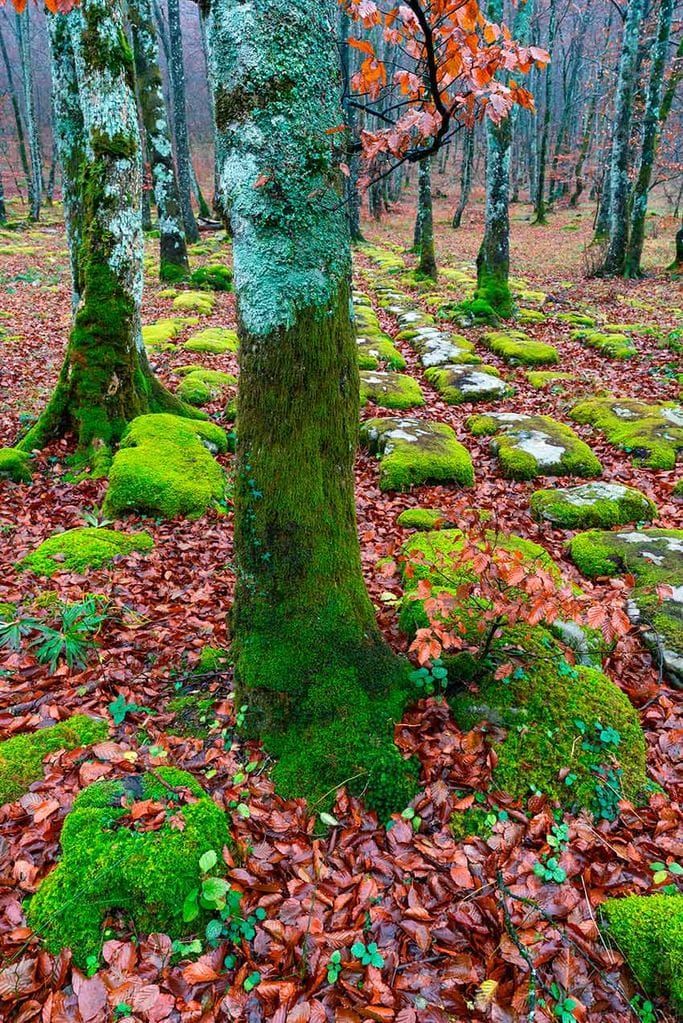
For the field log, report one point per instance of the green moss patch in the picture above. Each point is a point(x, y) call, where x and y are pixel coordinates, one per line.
point(422, 519)
point(389, 262)
point(214, 277)
point(649, 932)
point(518, 348)
point(200, 386)
point(107, 865)
point(390, 390)
point(531, 446)
point(590, 505)
point(540, 378)
point(376, 351)
point(416, 451)
point(21, 758)
point(76, 550)
point(215, 340)
point(462, 383)
point(161, 332)
point(15, 465)
point(530, 316)
point(439, 347)
point(651, 434)
point(197, 301)
point(615, 346)
point(165, 467)
point(576, 319)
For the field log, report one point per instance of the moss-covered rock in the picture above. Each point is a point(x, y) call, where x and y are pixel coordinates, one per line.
point(439, 347)
point(165, 467)
point(377, 350)
point(162, 331)
point(416, 451)
point(462, 383)
point(518, 348)
point(389, 262)
point(654, 558)
point(200, 386)
point(540, 378)
point(651, 433)
point(107, 865)
point(214, 277)
point(15, 465)
point(21, 757)
point(530, 316)
point(198, 301)
point(576, 319)
point(76, 550)
point(422, 519)
point(531, 446)
point(390, 390)
point(592, 505)
point(615, 346)
point(649, 932)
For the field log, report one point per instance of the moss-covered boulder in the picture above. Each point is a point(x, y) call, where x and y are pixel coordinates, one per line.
point(214, 277)
point(195, 301)
point(576, 319)
point(541, 378)
point(651, 433)
point(531, 446)
point(162, 331)
point(439, 347)
point(21, 757)
point(518, 348)
point(462, 383)
point(77, 550)
point(525, 316)
point(423, 519)
point(389, 262)
point(590, 505)
point(416, 451)
point(165, 467)
point(200, 386)
point(648, 930)
point(390, 390)
point(109, 865)
point(15, 465)
point(615, 346)
point(377, 350)
point(215, 340)
point(655, 558)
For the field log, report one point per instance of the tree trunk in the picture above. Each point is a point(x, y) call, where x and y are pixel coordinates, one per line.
point(35, 177)
point(540, 210)
point(50, 190)
point(650, 136)
point(465, 176)
point(569, 104)
point(678, 259)
point(182, 141)
point(321, 686)
point(352, 194)
point(16, 110)
point(425, 219)
point(3, 208)
point(173, 263)
point(105, 379)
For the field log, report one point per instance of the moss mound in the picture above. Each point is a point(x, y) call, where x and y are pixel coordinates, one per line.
point(79, 549)
point(390, 390)
point(576, 319)
point(200, 386)
point(416, 451)
point(194, 301)
point(215, 277)
point(107, 866)
point(375, 350)
point(531, 446)
point(592, 505)
point(518, 348)
point(615, 346)
point(422, 519)
point(461, 383)
point(215, 340)
point(15, 465)
point(21, 758)
point(651, 434)
point(161, 332)
point(165, 467)
point(649, 932)
point(541, 378)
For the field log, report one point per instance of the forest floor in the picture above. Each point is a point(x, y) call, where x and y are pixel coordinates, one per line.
point(448, 918)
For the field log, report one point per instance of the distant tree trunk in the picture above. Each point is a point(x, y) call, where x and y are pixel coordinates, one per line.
point(182, 141)
point(540, 205)
point(3, 208)
point(465, 176)
point(678, 258)
point(105, 379)
point(202, 204)
point(173, 263)
point(621, 138)
point(589, 117)
point(16, 110)
point(569, 103)
point(352, 194)
point(650, 135)
point(50, 189)
point(35, 177)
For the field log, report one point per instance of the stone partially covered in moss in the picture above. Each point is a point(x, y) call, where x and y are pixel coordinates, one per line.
point(215, 277)
point(576, 319)
point(531, 446)
point(388, 262)
point(462, 383)
point(541, 378)
point(200, 386)
point(615, 346)
point(107, 865)
point(422, 519)
point(165, 467)
point(439, 347)
point(651, 433)
point(390, 390)
point(648, 930)
point(197, 301)
point(592, 505)
point(76, 550)
point(215, 340)
point(517, 347)
point(553, 715)
point(373, 351)
point(15, 465)
point(530, 316)
point(655, 558)
point(416, 451)
point(21, 757)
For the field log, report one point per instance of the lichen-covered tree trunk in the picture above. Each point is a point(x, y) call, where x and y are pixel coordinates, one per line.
point(321, 686)
point(465, 176)
point(650, 135)
point(182, 139)
point(173, 250)
point(35, 177)
point(424, 228)
point(16, 110)
point(105, 380)
point(621, 137)
point(352, 193)
point(569, 104)
point(540, 203)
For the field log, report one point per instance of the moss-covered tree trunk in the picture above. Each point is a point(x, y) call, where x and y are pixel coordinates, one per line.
point(424, 226)
point(105, 380)
point(173, 250)
point(321, 686)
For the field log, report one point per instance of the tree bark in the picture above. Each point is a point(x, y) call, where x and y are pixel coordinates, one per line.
point(424, 229)
point(540, 210)
point(182, 140)
point(35, 177)
point(465, 176)
point(16, 110)
point(320, 684)
point(352, 193)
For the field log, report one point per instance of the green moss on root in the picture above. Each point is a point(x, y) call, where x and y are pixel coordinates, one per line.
point(21, 758)
point(76, 550)
point(649, 932)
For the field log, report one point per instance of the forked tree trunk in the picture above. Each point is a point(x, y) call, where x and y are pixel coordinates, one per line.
point(321, 686)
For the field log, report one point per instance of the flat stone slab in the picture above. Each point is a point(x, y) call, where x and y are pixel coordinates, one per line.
point(651, 433)
point(655, 558)
point(416, 451)
point(390, 390)
point(461, 383)
point(531, 446)
point(592, 505)
point(439, 347)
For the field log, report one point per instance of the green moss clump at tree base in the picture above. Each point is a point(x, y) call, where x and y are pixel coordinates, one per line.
point(79, 549)
point(15, 465)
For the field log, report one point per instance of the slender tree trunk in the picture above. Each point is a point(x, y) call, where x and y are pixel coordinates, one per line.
point(50, 189)
point(569, 103)
point(425, 219)
point(35, 177)
point(173, 263)
point(3, 208)
point(16, 110)
point(182, 141)
point(320, 684)
point(619, 162)
point(465, 176)
point(540, 210)
point(678, 258)
point(650, 134)
point(105, 379)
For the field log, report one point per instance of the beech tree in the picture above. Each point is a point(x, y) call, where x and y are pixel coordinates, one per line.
point(182, 140)
point(35, 176)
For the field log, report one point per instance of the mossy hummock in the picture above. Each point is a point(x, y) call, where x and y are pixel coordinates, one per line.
point(21, 757)
point(461, 383)
point(423, 519)
point(651, 433)
point(541, 378)
point(591, 505)
point(199, 386)
point(214, 277)
point(77, 550)
point(195, 301)
point(518, 348)
point(165, 467)
point(390, 390)
point(439, 347)
point(215, 340)
point(531, 446)
point(416, 451)
point(576, 319)
point(615, 346)
point(15, 465)
point(162, 331)
point(108, 866)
